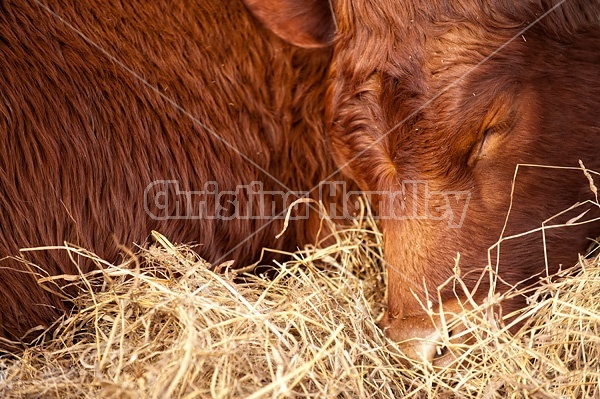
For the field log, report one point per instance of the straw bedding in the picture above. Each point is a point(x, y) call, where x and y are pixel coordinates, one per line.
point(168, 325)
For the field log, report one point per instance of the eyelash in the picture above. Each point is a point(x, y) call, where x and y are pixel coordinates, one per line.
point(480, 144)
point(498, 128)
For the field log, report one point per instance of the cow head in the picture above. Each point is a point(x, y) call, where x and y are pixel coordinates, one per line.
point(433, 104)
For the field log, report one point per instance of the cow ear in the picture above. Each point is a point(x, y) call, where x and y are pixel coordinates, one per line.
point(305, 23)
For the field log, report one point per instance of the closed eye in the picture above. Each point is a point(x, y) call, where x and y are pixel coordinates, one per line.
point(487, 142)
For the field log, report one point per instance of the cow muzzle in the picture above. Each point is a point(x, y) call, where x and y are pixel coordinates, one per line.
point(425, 338)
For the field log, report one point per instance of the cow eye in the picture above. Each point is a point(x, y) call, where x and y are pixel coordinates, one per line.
point(496, 129)
point(485, 143)
point(487, 133)
point(487, 137)
point(491, 130)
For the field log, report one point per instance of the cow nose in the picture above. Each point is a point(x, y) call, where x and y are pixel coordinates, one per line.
point(419, 338)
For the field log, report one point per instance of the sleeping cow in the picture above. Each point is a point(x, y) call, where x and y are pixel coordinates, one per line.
point(119, 118)
point(453, 95)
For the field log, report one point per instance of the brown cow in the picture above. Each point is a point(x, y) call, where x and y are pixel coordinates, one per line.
point(112, 112)
point(452, 95)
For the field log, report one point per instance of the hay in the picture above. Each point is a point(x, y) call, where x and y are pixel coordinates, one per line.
point(164, 325)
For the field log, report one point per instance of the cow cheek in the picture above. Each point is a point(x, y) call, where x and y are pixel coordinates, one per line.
point(422, 249)
point(418, 260)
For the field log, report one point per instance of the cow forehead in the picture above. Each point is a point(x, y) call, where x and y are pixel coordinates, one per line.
point(448, 75)
point(383, 34)
point(556, 17)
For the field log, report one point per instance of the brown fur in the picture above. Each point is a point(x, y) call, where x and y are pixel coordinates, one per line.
point(82, 137)
point(412, 96)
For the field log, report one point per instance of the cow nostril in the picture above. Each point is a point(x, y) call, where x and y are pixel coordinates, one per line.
point(442, 351)
point(448, 352)
point(444, 358)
